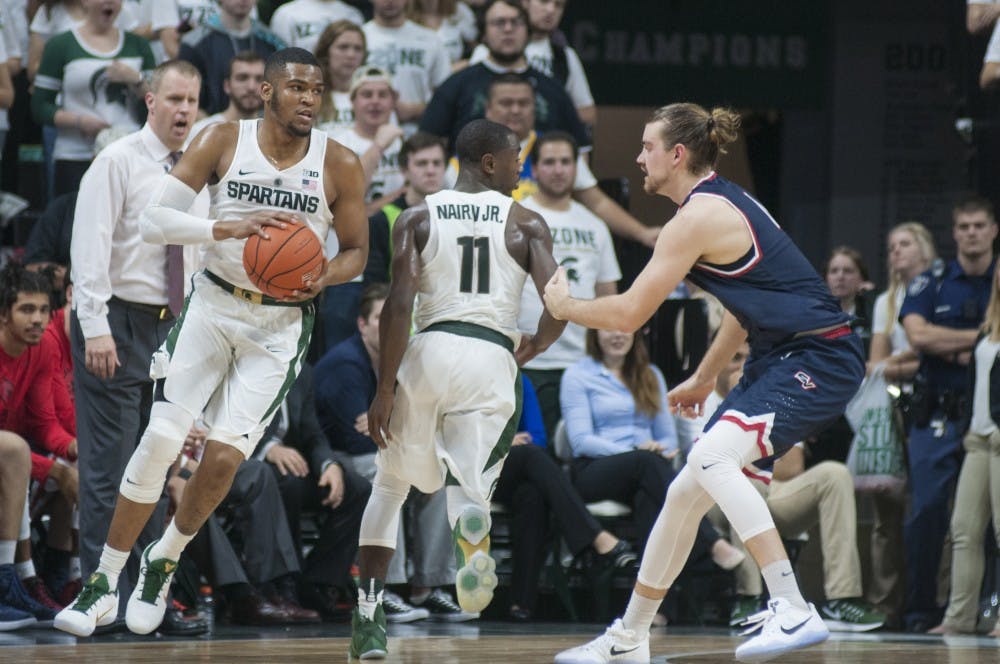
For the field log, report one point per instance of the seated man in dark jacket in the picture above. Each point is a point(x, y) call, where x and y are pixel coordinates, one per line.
point(312, 477)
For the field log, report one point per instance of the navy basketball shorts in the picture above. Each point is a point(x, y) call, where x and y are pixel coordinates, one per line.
point(793, 391)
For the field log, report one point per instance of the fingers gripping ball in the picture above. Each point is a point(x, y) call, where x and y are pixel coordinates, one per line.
point(283, 263)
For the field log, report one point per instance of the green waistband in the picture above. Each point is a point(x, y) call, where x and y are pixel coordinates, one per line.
point(252, 296)
point(472, 330)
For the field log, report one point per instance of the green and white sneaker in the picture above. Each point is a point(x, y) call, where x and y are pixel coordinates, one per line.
point(476, 577)
point(95, 606)
point(851, 615)
point(368, 637)
point(148, 602)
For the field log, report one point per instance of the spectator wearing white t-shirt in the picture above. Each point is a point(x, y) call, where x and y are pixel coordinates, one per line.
point(340, 50)
point(582, 244)
point(990, 73)
point(374, 137)
point(301, 22)
point(412, 54)
point(548, 52)
point(158, 22)
point(453, 22)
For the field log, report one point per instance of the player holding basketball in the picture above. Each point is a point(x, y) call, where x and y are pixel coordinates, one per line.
point(233, 352)
point(804, 366)
point(449, 398)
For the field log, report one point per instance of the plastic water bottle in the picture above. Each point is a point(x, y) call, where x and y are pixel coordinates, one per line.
point(206, 606)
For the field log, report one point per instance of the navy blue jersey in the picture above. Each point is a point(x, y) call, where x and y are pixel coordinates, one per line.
point(772, 290)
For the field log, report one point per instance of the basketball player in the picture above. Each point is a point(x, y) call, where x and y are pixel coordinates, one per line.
point(233, 352)
point(449, 398)
point(804, 366)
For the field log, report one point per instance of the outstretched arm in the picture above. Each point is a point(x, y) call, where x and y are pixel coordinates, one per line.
point(397, 313)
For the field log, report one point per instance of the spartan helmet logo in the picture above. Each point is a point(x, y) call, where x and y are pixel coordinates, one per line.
point(572, 274)
point(113, 93)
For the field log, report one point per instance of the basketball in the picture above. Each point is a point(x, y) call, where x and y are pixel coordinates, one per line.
point(283, 263)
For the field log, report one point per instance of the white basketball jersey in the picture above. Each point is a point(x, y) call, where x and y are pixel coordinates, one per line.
point(253, 184)
point(468, 275)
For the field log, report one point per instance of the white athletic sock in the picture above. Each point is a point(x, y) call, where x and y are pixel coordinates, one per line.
point(25, 570)
point(369, 598)
point(171, 544)
point(7, 548)
point(780, 579)
point(74, 568)
point(111, 565)
point(639, 614)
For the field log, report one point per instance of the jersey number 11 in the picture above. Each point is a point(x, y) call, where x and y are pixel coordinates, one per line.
point(470, 247)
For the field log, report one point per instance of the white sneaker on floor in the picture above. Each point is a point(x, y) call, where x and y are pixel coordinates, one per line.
point(94, 607)
point(617, 644)
point(782, 628)
point(145, 608)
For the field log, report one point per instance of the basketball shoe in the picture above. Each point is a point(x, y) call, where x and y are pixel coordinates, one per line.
point(476, 577)
point(148, 602)
point(95, 606)
point(368, 636)
point(617, 644)
point(782, 628)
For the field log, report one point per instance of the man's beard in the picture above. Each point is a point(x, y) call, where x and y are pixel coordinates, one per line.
point(506, 59)
point(275, 107)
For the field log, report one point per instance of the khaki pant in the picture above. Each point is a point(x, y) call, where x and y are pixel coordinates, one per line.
point(823, 494)
point(976, 498)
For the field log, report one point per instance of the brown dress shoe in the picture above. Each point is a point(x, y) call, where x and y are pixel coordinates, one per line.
point(296, 613)
point(255, 610)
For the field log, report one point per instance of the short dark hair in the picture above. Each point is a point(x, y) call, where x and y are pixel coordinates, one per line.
point(249, 57)
point(292, 55)
point(507, 78)
point(554, 136)
point(15, 279)
point(371, 294)
point(421, 140)
point(516, 4)
point(480, 137)
point(972, 203)
point(182, 67)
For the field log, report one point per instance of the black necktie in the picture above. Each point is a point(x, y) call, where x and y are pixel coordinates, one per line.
point(175, 264)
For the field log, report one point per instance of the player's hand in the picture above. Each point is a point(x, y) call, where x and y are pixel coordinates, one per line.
point(287, 460)
point(378, 419)
point(72, 450)
point(522, 438)
point(101, 356)
point(194, 442)
point(333, 477)
point(557, 294)
point(688, 398)
point(526, 350)
point(311, 288)
point(254, 224)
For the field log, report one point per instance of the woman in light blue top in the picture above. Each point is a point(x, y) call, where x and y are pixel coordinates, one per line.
point(614, 404)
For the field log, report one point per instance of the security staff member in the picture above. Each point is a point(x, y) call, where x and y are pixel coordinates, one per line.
point(941, 315)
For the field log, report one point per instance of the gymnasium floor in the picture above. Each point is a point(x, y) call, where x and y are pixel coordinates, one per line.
point(470, 643)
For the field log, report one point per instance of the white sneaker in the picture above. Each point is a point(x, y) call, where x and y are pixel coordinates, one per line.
point(148, 602)
point(783, 628)
point(617, 644)
point(95, 606)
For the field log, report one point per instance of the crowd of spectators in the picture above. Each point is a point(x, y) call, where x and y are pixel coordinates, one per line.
point(402, 77)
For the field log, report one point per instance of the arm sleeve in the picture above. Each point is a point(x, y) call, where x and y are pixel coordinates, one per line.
point(580, 418)
point(880, 314)
point(48, 82)
point(531, 414)
point(166, 220)
point(164, 15)
point(148, 58)
point(100, 203)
